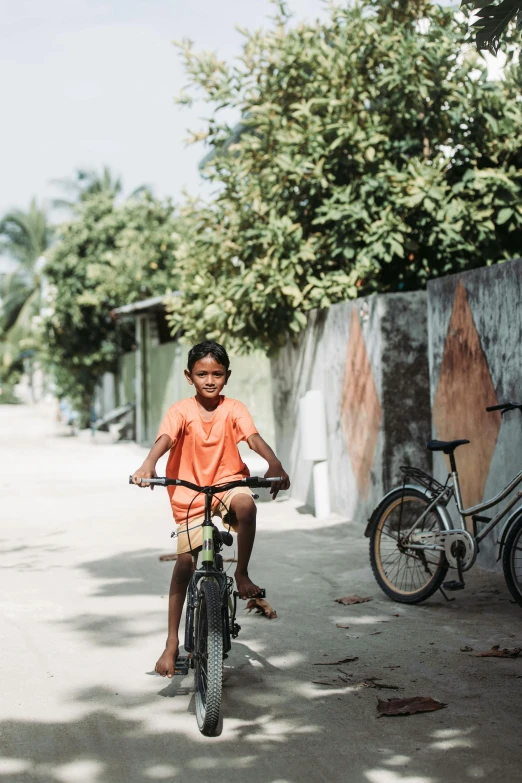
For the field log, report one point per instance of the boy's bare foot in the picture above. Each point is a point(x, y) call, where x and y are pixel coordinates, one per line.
point(167, 661)
point(245, 587)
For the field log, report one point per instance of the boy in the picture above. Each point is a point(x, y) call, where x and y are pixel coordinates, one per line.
point(202, 433)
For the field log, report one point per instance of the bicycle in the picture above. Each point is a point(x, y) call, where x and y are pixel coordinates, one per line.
point(413, 541)
point(210, 621)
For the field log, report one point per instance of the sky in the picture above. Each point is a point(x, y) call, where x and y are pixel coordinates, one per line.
point(87, 83)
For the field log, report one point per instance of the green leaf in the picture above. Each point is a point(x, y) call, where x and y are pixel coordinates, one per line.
point(504, 215)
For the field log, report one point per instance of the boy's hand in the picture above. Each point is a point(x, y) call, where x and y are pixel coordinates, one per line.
point(276, 469)
point(146, 471)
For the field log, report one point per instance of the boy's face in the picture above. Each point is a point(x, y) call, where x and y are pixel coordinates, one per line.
point(208, 376)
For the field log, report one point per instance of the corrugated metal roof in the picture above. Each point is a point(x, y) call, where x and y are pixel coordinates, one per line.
point(145, 305)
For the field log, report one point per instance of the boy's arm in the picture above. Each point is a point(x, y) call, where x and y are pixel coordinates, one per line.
point(275, 468)
point(148, 469)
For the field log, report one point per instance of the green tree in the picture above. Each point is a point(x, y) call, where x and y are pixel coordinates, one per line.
point(493, 21)
point(108, 256)
point(371, 157)
point(24, 238)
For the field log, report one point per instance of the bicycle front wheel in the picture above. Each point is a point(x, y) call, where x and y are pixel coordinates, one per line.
point(208, 655)
point(408, 576)
point(512, 560)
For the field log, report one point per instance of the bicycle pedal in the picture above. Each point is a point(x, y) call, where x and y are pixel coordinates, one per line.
point(453, 584)
point(181, 667)
point(261, 594)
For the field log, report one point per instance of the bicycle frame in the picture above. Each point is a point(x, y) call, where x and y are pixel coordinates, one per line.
point(476, 510)
point(207, 549)
point(473, 511)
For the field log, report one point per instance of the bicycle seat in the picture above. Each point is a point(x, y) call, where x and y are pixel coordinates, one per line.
point(447, 446)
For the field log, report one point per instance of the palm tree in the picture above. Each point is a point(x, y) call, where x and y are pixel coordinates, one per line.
point(493, 20)
point(87, 183)
point(24, 238)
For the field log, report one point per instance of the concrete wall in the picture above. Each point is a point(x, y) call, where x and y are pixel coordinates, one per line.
point(369, 358)
point(251, 382)
point(475, 355)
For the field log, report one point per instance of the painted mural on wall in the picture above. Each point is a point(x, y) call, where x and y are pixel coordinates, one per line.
point(361, 412)
point(475, 334)
point(359, 354)
point(464, 390)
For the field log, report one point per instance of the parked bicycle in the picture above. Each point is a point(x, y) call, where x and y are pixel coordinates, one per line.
point(413, 541)
point(210, 622)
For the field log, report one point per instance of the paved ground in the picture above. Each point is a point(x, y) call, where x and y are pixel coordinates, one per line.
point(83, 620)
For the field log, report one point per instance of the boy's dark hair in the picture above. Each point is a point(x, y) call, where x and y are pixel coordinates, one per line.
point(201, 350)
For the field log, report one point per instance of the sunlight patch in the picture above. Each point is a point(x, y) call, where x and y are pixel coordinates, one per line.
point(365, 619)
point(387, 776)
point(161, 771)
point(450, 744)
point(13, 766)
point(397, 761)
point(84, 771)
point(286, 661)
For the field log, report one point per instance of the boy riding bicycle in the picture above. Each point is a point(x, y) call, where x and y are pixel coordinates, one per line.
point(202, 433)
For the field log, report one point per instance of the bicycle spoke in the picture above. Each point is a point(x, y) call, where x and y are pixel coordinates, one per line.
point(408, 571)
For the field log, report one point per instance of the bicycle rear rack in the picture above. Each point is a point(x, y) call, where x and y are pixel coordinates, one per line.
point(424, 479)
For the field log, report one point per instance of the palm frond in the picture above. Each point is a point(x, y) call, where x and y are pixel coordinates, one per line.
point(142, 190)
point(15, 289)
point(25, 236)
point(84, 184)
point(11, 342)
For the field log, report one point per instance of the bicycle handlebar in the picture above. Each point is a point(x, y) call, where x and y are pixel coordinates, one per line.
point(505, 407)
point(250, 481)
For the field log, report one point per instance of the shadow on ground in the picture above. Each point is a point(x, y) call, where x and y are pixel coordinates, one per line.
point(280, 727)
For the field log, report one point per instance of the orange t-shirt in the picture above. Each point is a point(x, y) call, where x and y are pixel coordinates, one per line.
point(204, 452)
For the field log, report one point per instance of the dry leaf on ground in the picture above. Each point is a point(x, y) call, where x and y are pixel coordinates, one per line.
point(163, 558)
point(262, 607)
point(408, 706)
point(348, 600)
point(340, 625)
point(335, 663)
point(497, 652)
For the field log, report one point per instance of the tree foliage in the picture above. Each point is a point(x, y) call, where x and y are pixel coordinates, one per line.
point(24, 237)
point(106, 257)
point(371, 156)
point(492, 25)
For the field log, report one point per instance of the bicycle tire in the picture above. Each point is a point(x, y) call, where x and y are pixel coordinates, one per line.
point(208, 671)
point(391, 577)
point(189, 616)
point(509, 557)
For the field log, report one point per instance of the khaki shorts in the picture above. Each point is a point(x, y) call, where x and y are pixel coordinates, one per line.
point(190, 541)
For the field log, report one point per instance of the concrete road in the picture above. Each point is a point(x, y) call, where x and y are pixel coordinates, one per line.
point(83, 599)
